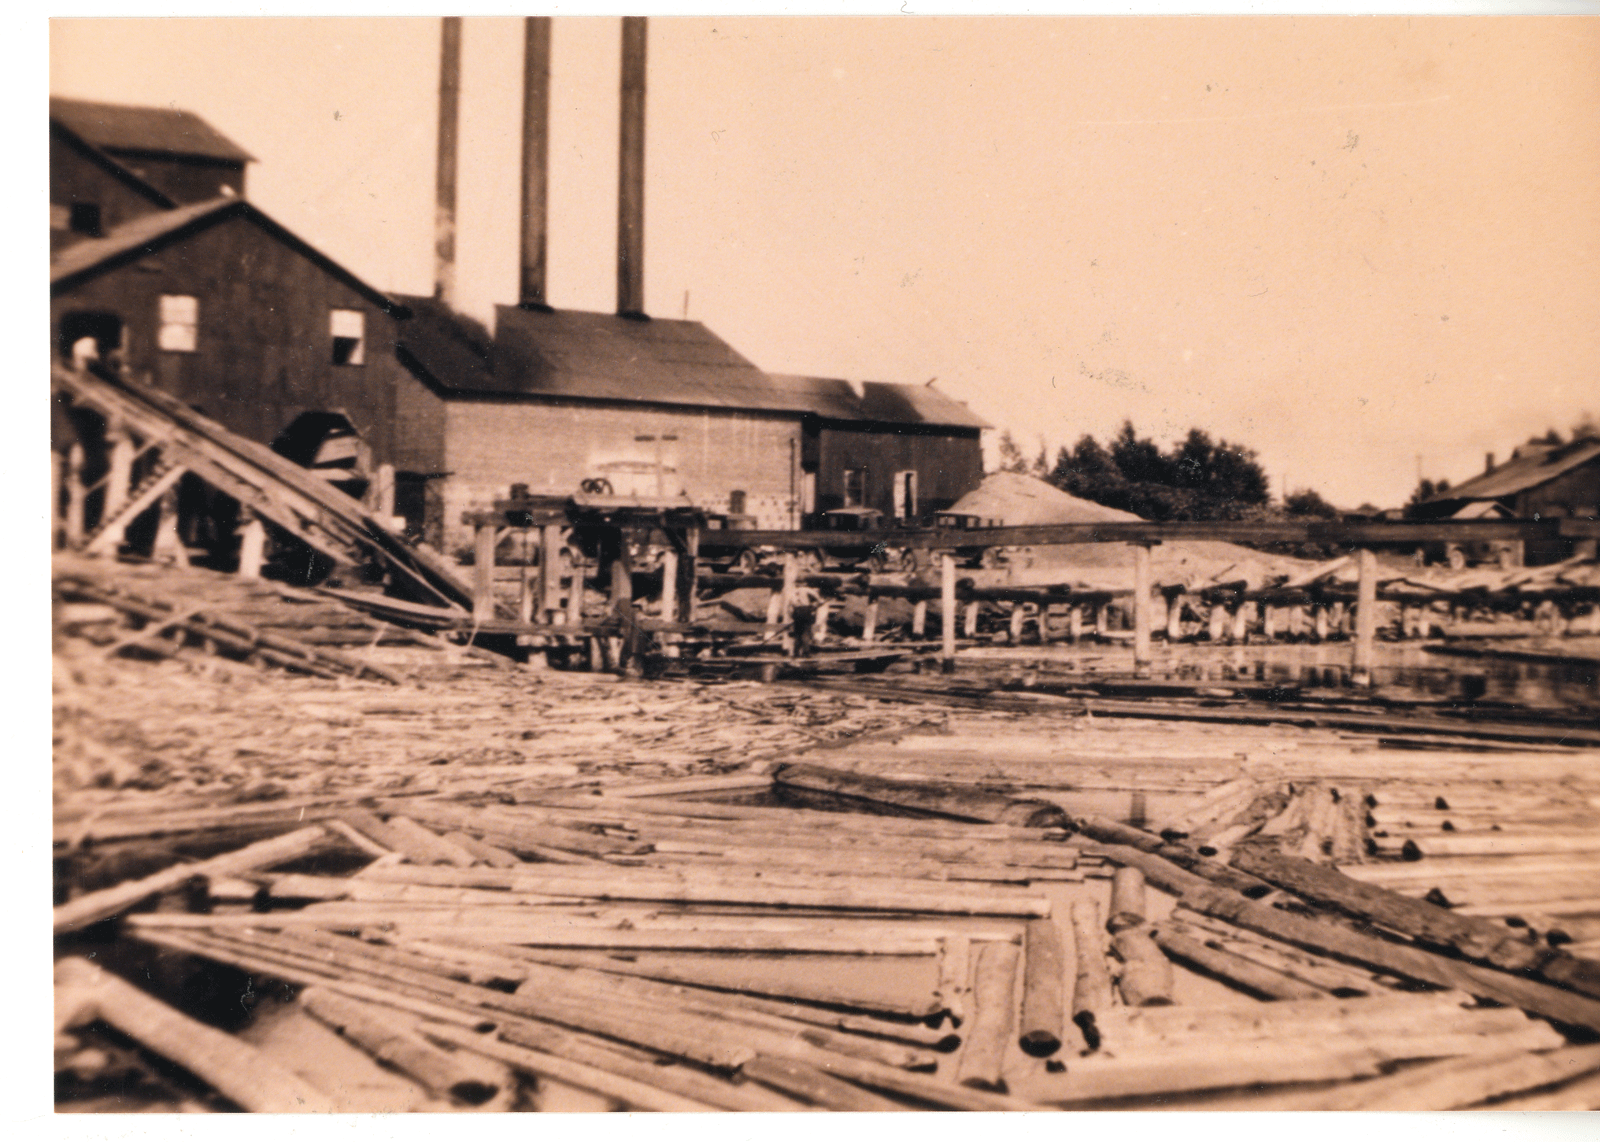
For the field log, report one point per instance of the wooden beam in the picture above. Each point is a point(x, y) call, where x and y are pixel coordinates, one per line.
point(1141, 606)
point(252, 545)
point(483, 573)
point(947, 612)
point(1366, 616)
point(1328, 532)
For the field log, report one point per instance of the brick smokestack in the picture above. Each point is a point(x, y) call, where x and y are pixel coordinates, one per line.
point(444, 214)
point(535, 161)
point(630, 172)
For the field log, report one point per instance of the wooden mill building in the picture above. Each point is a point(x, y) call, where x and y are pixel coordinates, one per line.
point(1540, 481)
point(175, 278)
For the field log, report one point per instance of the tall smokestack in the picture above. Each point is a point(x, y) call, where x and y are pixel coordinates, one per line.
point(444, 216)
point(630, 173)
point(535, 160)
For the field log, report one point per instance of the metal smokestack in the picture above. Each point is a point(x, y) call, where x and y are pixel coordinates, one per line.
point(630, 172)
point(444, 214)
point(535, 160)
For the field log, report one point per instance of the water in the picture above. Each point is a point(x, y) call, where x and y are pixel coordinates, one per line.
point(1401, 672)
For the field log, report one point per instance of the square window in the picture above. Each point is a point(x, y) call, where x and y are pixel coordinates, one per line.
point(180, 320)
point(349, 329)
point(85, 219)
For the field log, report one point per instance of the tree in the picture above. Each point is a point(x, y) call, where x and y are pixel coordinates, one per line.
point(1011, 458)
point(1307, 504)
point(1425, 490)
point(1196, 480)
point(1140, 460)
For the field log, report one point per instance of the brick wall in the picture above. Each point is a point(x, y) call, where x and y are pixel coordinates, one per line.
point(553, 448)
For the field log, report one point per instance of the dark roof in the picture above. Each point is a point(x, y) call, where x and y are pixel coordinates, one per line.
point(1531, 466)
point(146, 130)
point(149, 233)
point(587, 356)
point(598, 356)
point(110, 166)
point(884, 403)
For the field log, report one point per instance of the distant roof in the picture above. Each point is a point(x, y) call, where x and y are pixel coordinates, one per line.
point(1532, 466)
point(599, 356)
point(111, 166)
point(588, 356)
point(883, 402)
point(149, 130)
point(149, 233)
point(1017, 499)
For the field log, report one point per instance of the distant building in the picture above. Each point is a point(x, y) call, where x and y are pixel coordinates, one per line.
point(558, 398)
point(1540, 481)
point(176, 153)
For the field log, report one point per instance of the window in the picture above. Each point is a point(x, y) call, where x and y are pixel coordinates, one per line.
point(905, 494)
point(85, 219)
point(180, 320)
point(855, 487)
point(736, 503)
point(349, 329)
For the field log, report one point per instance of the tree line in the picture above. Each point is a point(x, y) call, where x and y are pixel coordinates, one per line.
point(1196, 479)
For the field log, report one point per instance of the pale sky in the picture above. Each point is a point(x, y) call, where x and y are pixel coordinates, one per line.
point(1343, 242)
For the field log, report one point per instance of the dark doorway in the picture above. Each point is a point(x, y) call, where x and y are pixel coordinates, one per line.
point(104, 328)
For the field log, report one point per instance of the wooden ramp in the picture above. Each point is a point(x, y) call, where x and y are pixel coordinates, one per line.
point(176, 439)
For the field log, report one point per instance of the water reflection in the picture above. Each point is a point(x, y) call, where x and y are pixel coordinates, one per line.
point(1402, 672)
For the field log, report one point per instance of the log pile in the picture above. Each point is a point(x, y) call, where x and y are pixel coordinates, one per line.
point(814, 937)
point(518, 889)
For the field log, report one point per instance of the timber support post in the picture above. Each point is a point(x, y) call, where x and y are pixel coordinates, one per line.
point(1366, 616)
point(947, 612)
point(549, 571)
point(119, 479)
point(791, 574)
point(483, 545)
point(1141, 606)
point(252, 545)
point(73, 522)
point(688, 575)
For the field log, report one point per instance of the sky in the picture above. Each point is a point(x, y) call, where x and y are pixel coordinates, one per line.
point(1367, 248)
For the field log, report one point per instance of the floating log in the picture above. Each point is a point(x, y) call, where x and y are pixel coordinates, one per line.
point(1397, 959)
point(814, 1085)
point(602, 1080)
point(1127, 899)
point(1091, 993)
point(1146, 976)
point(466, 1078)
point(994, 982)
point(91, 907)
point(235, 1069)
point(1043, 981)
point(1235, 969)
point(1474, 938)
point(962, 802)
point(1448, 1084)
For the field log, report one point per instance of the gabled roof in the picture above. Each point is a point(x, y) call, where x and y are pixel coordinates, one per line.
point(142, 236)
point(884, 403)
point(1531, 467)
point(571, 354)
point(586, 356)
point(110, 166)
point(146, 130)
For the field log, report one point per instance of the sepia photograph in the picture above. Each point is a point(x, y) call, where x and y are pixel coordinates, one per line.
point(852, 561)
